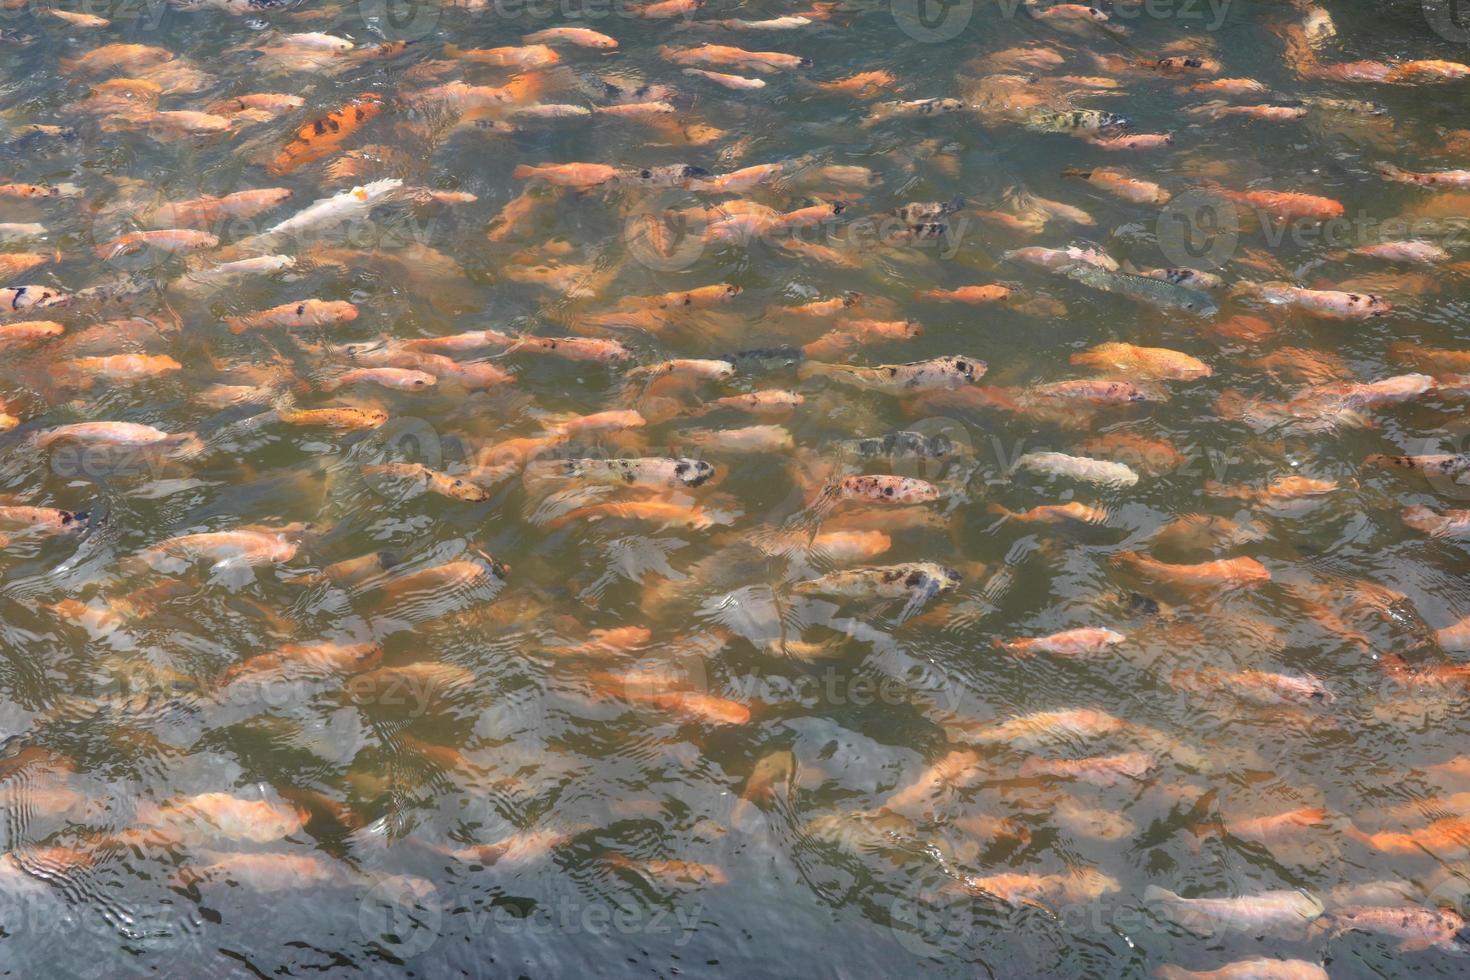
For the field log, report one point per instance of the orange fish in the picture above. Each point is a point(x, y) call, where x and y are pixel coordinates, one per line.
point(322, 136)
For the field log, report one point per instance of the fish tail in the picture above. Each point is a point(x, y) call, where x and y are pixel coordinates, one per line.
point(523, 170)
point(1155, 893)
point(816, 369)
point(1171, 972)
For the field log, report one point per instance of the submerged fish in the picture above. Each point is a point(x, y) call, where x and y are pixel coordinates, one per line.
point(1155, 292)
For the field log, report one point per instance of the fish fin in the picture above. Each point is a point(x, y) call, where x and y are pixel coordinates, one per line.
point(1156, 893)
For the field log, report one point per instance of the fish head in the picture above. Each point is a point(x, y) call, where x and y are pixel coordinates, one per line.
point(463, 489)
point(969, 368)
point(693, 472)
point(1202, 306)
point(499, 568)
point(947, 580)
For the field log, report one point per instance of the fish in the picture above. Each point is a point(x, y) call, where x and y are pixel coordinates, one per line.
point(329, 212)
point(1073, 511)
point(1082, 642)
point(1093, 391)
point(748, 439)
point(220, 816)
point(954, 769)
point(16, 298)
point(426, 479)
point(325, 657)
point(863, 85)
point(1284, 205)
point(1061, 259)
point(1454, 466)
point(1263, 687)
point(1109, 770)
point(1131, 141)
point(324, 135)
point(1449, 524)
point(581, 37)
point(399, 379)
point(707, 369)
point(299, 315)
point(333, 418)
point(1074, 121)
point(208, 210)
point(912, 580)
point(1038, 890)
point(253, 546)
point(1160, 363)
point(912, 107)
point(770, 402)
point(1225, 572)
point(1087, 470)
point(110, 57)
point(579, 175)
point(1154, 292)
point(1282, 913)
point(1133, 189)
point(645, 471)
point(968, 294)
point(45, 520)
point(761, 62)
point(662, 513)
point(83, 372)
point(1416, 927)
point(1252, 969)
point(524, 56)
point(128, 434)
point(27, 332)
point(165, 240)
point(735, 82)
point(935, 374)
point(884, 488)
point(1328, 303)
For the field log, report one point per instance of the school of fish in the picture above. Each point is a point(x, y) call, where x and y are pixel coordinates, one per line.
point(998, 504)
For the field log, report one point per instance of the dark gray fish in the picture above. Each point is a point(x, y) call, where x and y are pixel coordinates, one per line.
point(1155, 292)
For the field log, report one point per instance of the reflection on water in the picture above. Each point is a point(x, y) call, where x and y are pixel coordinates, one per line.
point(690, 488)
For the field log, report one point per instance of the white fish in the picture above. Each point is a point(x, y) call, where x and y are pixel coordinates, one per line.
point(1100, 471)
point(1278, 913)
point(346, 206)
point(15, 231)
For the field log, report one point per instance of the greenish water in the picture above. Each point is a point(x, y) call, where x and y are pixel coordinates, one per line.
point(733, 784)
